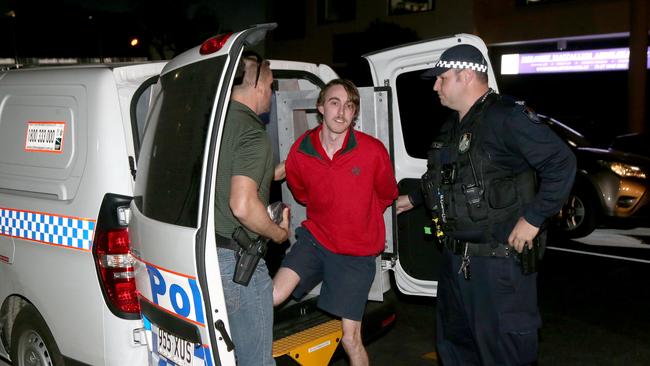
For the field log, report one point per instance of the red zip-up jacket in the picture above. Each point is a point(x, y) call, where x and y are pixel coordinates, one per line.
point(345, 196)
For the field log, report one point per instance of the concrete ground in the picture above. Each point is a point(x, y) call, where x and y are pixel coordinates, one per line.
point(594, 299)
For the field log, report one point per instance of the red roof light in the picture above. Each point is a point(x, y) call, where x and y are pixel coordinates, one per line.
point(214, 44)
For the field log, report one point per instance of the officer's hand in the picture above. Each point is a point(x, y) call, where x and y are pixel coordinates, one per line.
point(403, 203)
point(522, 234)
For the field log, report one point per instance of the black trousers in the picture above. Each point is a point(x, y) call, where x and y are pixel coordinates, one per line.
point(491, 319)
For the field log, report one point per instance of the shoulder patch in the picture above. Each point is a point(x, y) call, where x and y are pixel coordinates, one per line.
point(531, 115)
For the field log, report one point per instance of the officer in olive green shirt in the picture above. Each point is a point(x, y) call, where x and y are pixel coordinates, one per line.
point(244, 174)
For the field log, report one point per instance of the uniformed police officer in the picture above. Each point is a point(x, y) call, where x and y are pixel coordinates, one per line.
point(495, 174)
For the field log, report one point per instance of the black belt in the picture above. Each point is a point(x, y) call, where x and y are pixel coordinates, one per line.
point(226, 243)
point(479, 249)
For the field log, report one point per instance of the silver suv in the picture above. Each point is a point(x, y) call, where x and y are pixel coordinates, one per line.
point(611, 183)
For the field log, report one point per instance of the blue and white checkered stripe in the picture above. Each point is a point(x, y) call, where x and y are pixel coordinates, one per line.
point(46, 228)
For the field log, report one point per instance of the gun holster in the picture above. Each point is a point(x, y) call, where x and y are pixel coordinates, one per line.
point(529, 259)
point(248, 256)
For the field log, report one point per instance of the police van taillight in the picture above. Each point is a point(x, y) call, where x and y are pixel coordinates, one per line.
point(112, 257)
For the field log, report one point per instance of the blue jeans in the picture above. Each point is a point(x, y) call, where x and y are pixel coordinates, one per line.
point(250, 312)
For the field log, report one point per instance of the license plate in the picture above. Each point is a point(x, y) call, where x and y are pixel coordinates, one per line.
point(177, 350)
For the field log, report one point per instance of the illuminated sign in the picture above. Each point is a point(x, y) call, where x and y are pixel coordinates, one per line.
point(611, 59)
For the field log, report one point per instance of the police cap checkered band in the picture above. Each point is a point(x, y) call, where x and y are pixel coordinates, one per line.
point(461, 56)
point(462, 65)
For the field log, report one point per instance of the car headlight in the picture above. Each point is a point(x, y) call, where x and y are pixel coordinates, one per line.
point(624, 170)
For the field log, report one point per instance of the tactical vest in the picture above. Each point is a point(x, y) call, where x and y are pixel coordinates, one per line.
point(476, 199)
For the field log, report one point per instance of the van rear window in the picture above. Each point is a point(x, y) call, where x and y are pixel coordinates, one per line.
point(421, 113)
point(169, 172)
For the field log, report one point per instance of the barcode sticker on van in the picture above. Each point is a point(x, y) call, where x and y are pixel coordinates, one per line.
point(45, 137)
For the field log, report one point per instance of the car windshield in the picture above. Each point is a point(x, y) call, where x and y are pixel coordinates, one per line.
point(571, 136)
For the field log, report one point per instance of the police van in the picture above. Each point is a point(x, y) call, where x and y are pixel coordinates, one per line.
point(172, 228)
point(69, 138)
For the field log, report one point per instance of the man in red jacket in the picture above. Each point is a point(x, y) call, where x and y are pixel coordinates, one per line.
point(345, 179)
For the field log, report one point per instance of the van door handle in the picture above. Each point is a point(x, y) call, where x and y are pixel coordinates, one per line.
point(132, 166)
point(224, 334)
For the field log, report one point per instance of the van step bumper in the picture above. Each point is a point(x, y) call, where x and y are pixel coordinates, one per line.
point(312, 346)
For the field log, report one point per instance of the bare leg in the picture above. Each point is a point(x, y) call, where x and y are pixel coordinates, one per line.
point(284, 282)
point(353, 344)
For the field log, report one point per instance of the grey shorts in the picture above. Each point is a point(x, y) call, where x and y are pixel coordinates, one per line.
point(346, 278)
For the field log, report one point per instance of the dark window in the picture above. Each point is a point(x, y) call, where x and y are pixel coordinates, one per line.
point(169, 176)
point(396, 7)
point(421, 113)
point(290, 16)
point(331, 11)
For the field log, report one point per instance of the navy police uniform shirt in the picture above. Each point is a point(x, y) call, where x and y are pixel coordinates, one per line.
point(520, 141)
point(514, 137)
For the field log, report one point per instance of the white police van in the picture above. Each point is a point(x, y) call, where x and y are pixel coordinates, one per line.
point(69, 138)
point(172, 229)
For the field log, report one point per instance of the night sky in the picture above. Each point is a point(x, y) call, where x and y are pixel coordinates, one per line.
point(87, 29)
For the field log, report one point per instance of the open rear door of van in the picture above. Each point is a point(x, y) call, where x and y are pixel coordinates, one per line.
point(172, 220)
point(417, 116)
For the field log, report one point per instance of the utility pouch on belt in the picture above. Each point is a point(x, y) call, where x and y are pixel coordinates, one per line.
point(248, 256)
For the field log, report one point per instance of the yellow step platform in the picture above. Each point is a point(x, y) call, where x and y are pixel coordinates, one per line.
point(311, 347)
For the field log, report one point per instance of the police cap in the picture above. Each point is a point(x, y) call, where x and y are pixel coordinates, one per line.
point(462, 56)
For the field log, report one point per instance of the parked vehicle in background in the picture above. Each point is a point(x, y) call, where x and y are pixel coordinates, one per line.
point(611, 183)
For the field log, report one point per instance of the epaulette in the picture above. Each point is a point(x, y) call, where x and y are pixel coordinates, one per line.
point(510, 102)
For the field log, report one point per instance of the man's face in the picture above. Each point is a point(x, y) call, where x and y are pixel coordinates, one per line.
point(450, 88)
point(337, 110)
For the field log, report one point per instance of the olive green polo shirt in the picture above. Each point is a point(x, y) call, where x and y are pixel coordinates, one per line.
point(245, 150)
